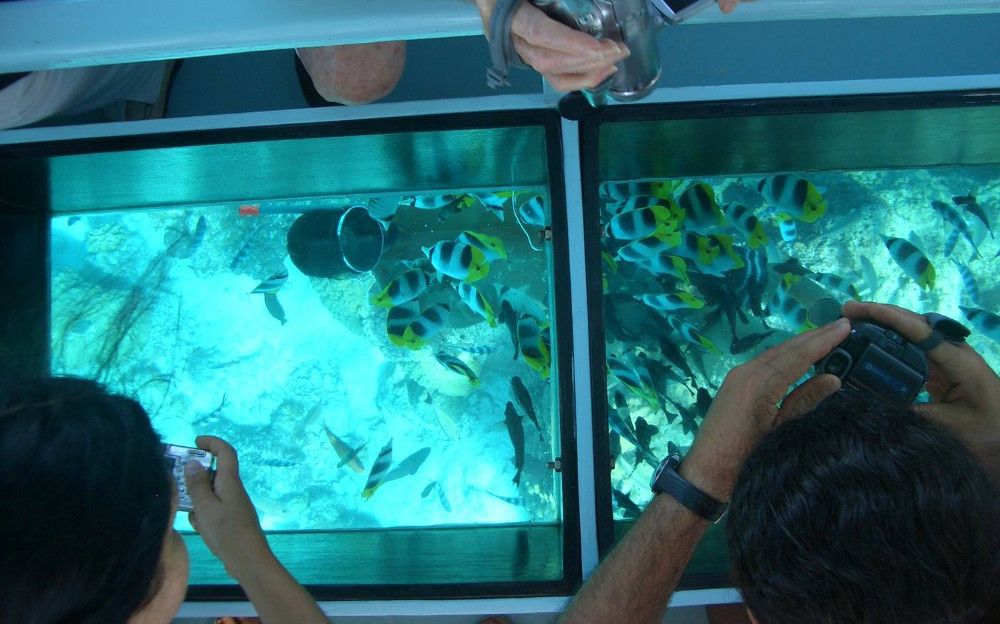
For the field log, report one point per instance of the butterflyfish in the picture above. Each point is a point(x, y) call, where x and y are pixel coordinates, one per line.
point(456, 365)
point(701, 212)
point(379, 469)
point(406, 287)
point(476, 301)
point(667, 302)
point(491, 246)
point(639, 222)
point(794, 196)
point(639, 251)
point(746, 223)
point(837, 283)
point(425, 326)
point(690, 333)
point(458, 261)
point(914, 263)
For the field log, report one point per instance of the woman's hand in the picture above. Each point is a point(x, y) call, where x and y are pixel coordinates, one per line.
point(223, 514)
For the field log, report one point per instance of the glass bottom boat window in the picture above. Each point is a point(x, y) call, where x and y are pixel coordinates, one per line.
point(378, 362)
point(703, 274)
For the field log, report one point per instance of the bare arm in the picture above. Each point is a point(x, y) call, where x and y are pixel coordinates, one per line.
point(634, 584)
point(225, 518)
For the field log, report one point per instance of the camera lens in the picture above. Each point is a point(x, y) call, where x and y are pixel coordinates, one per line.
point(837, 363)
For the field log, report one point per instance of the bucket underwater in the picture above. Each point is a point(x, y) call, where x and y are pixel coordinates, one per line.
point(332, 243)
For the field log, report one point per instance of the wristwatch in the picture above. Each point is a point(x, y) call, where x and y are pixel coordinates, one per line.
point(666, 480)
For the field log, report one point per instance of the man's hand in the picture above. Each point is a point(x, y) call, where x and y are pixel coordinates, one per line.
point(965, 392)
point(223, 514)
point(569, 60)
point(747, 406)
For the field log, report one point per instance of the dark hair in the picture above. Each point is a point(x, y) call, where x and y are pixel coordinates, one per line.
point(865, 513)
point(84, 504)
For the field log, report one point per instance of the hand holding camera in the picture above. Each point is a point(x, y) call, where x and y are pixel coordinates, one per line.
point(964, 390)
point(223, 514)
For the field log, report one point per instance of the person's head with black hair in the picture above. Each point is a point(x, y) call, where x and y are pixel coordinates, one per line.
point(86, 509)
point(865, 513)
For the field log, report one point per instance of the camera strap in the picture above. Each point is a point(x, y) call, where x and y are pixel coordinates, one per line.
point(502, 52)
point(943, 328)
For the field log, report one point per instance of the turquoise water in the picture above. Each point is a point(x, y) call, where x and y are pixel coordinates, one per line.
point(861, 207)
point(159, 304)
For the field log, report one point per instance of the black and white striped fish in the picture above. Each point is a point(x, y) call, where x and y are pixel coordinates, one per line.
point(968, 281)
point(986, 322)
point(271, 285)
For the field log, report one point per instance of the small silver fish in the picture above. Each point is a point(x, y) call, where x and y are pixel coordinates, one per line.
point(443, 498)
point(244, 253)
point(274, 307)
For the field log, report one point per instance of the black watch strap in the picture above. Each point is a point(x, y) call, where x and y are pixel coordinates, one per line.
point(666, 480)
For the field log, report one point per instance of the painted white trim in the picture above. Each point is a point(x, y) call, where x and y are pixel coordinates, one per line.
point(55, 34)
point(275, 118)
point(493, 103)
point(664, 95)
point(418, 608)
point(581, 345)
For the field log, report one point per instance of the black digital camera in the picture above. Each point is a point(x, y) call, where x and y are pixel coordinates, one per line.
point(875, 362)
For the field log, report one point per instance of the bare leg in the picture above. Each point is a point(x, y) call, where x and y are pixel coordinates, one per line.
point(355, 74)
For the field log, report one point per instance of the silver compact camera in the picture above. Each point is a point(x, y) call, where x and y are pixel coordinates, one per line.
point(175, 457)
point(636, 23)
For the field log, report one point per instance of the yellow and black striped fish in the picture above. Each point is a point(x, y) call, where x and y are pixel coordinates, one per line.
point(701, 211)
point(425, 326)
point(794, 196)
point(691, 333)
point(648, 247)
point(379, 470)
point(491, 246)
point(667, 302)
point(642, 220)
point(785, 305)
point(406, 287)
point(458, 261)
point(746, 223)
point(914, 263)
point(476, 301)
point(621, 191)
point(456, 365)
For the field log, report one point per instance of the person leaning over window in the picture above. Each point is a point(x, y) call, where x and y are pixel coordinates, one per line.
point(87, 510)
point(858, 513)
